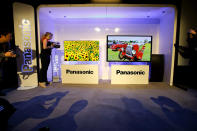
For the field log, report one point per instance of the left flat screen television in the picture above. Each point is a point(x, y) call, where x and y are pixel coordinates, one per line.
point(81, 50)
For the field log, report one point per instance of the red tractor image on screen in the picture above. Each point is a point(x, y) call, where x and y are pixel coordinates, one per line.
point(130, 52)
point(116, 47)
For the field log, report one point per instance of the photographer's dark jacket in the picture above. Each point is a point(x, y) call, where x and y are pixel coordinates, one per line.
point(192, 45)
point(192, 42)
point(4, 47)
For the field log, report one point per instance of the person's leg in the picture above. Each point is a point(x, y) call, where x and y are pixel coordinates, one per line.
point(42, 71)
point(47, 66)
point(1, 81)
point(40, 76)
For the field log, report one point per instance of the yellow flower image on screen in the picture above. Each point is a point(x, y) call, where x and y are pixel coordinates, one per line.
point(81, 50)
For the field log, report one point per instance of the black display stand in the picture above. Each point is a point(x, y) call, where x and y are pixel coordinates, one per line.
point(157, 68)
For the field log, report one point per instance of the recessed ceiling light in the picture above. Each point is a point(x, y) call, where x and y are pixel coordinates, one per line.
point(97, 29)
point(116, 29)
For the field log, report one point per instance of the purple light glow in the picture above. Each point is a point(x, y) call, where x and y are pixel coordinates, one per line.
point(105, 12)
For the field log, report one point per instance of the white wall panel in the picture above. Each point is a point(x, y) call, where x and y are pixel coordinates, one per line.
point(84, 29)
point(166, 42)
point(24, 31)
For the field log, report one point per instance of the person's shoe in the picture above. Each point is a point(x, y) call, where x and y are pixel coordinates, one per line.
point(48, 83)
point(42, 84)
point(2, 94)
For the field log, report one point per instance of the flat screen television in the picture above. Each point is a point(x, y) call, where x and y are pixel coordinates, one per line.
point(129, 48)
point(81, 50)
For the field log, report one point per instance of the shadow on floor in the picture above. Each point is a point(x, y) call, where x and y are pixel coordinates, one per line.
point(65, 122)
point(124, 114)
point(36, 108)
point(182, 118)
point(9, 89)
point(142, 119)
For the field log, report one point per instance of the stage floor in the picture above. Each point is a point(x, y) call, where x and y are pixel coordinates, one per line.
point(104, 107)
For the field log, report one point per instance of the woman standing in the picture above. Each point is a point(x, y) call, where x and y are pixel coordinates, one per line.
point(46, 47)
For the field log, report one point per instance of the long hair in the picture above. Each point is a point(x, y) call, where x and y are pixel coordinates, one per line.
point(45, 35)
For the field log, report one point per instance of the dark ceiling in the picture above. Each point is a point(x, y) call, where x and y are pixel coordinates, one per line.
point(38, 2)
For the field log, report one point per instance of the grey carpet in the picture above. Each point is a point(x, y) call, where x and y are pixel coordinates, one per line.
point(104, 107)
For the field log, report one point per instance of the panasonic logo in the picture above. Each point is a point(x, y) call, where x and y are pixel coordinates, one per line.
point(26, 31)
point(79, 72)
point(119, 72)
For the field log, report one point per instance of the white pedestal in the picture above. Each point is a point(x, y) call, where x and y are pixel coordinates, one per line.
point(79, 74)
point(129, 74)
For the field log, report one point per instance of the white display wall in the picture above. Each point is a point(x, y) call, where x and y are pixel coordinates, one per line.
point(166, 43)
point(24, 31)
point(80, 29)
point(161, 29)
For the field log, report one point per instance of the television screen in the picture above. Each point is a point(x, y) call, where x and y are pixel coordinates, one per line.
point(81, 50)
point(129, 48)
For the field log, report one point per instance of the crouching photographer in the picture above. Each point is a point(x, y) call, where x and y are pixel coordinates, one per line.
point(6, 64)
point(46, 47)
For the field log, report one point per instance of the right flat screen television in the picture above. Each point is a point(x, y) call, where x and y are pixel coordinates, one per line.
point(129, 48)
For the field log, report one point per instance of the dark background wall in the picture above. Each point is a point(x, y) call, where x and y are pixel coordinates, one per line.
point(6, 18)
point(188, 20)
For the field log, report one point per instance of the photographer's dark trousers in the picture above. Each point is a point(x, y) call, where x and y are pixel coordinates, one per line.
point(1, 77)
point(193, 69)
point(8, 74)
point(3, 73)
point(45, 61)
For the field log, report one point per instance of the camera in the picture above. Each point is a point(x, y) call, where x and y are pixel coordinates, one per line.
point(56, 44)
point(13, 51)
